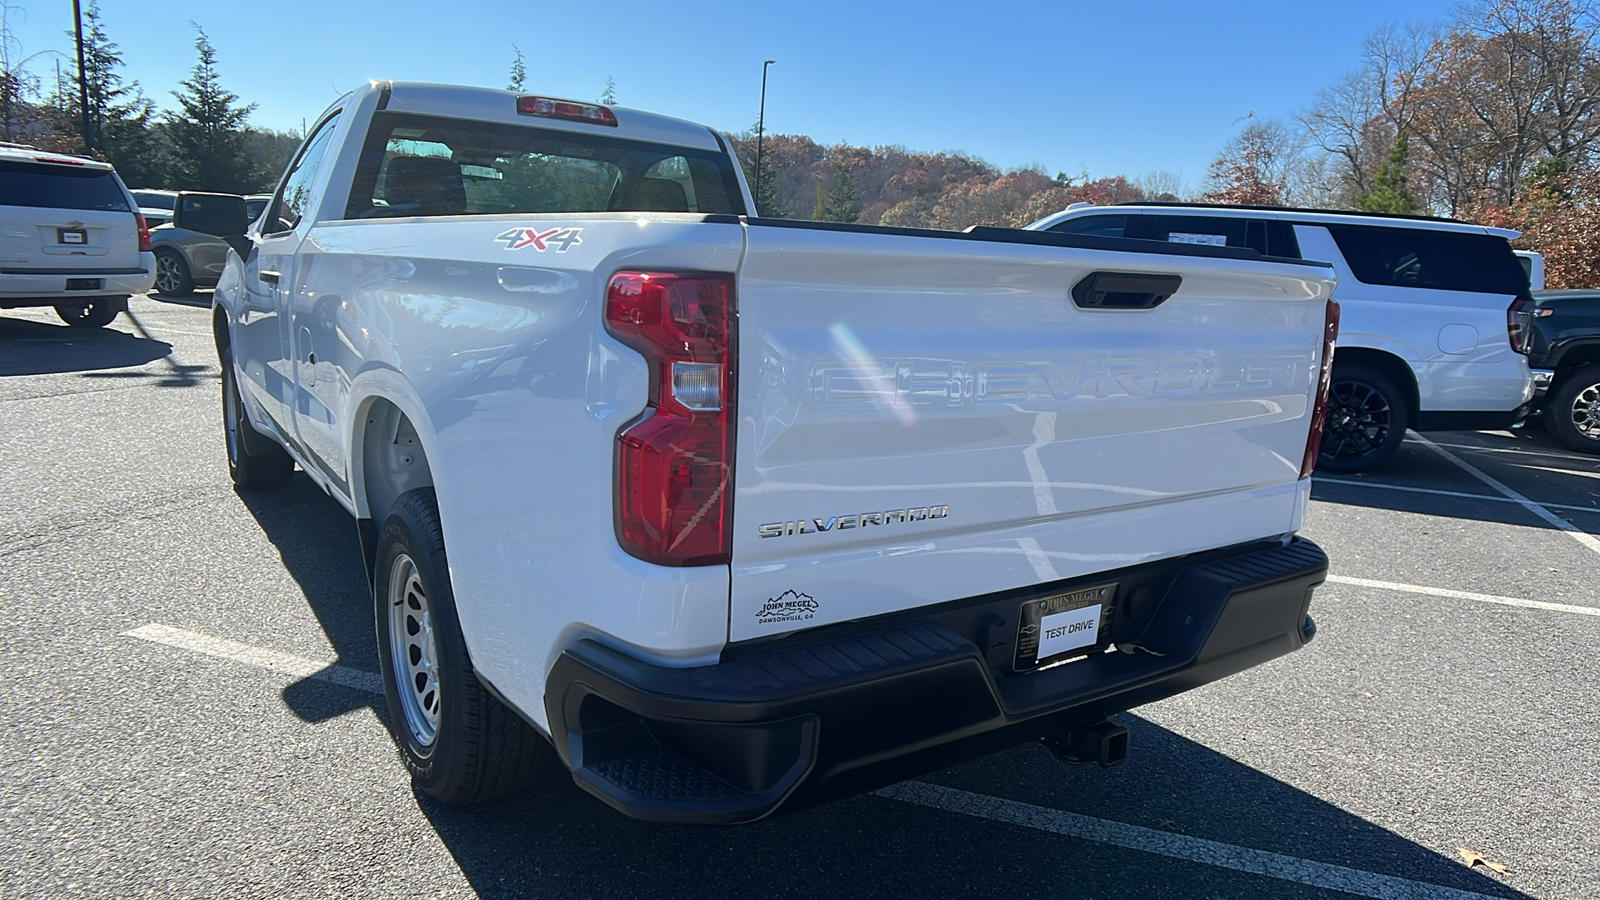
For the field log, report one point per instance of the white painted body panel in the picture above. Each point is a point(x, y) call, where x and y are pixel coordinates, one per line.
point(1454, 341)
point(880, 373)
point(1071, 442)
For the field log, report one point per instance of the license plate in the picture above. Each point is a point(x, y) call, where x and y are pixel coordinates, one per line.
point(72, 236)
point(1062, 626)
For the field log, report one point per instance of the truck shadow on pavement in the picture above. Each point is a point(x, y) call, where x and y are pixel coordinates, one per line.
point(556, 835)
point(555, 840)
point(31, 347)
point(316, 539)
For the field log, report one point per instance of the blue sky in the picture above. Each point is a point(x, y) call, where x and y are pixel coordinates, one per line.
point(1107, 88)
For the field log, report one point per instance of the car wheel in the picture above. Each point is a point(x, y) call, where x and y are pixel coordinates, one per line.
point(1573, 412)
point(460, 744)
point(172, 274)
point(1366, 420)
point(94, 314)
point(254, 462)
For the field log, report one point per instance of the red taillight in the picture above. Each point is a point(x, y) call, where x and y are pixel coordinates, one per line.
point(674, 479)
point(592, 113)
point(144, 232)
point(1319, 411)
point(1519, 318)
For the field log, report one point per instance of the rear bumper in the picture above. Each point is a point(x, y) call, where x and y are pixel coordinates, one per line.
point(48, 287)
point(848, 708)
point(1471, 420)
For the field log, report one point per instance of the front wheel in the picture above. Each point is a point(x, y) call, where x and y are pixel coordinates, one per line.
point(460, 744)
point(1573, 411)
point(254, 464)
point(95, 314)
point(1366, 420)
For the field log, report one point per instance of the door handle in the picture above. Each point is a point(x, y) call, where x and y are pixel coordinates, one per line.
point(1124, 290)
point(270, 277)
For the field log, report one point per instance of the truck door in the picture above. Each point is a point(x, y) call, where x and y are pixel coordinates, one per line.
point(315, 381)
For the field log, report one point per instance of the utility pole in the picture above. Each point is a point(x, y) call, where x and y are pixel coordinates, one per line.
point(83, 80)
point(761, 125)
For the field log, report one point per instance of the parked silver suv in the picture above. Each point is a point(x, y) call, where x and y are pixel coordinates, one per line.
point(71, 237)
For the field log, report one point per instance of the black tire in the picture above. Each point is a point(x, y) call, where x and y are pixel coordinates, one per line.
point(172, 274)
point(1572, 412)
point(97, 313)
point(1367, 419)
point(255, 463)
point(460, 744)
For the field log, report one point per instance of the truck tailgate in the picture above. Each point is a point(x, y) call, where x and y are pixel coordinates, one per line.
point(926, 419)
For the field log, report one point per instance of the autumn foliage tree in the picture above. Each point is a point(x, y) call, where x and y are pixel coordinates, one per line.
point(1243, 174)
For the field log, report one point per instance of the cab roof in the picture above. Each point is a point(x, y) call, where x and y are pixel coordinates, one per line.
point(493, 105)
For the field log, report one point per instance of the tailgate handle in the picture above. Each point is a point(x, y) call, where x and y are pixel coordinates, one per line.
point(269, 276)
point(1124, 290)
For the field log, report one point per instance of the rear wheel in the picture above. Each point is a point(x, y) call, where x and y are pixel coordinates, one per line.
point(254, 463)
point(96, 313)
point(1366, 421)
point(460, 744)
point(172, 274)
point(1573, 411)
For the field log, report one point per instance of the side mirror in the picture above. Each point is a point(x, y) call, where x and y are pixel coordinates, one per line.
point(220, 215)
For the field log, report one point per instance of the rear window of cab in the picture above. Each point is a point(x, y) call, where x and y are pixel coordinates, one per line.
point(41, 185)
point(424, 166)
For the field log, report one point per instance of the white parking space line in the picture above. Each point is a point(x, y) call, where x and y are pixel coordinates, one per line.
point(1522, 451)
point(1464, 595)
point(1175, 846)
point(1417, 490)
point(261, 658)
point(1577, 534)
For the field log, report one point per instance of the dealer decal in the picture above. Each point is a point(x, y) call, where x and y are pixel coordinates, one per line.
point(562, 239)
point(789, 606)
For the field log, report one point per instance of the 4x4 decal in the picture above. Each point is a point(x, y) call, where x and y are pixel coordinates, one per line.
point(560, 238)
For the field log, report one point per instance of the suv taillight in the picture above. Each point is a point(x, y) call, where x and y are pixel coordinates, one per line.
point(144, 232)
point(1319, 411)
point(1519, 324)
point(674, 475)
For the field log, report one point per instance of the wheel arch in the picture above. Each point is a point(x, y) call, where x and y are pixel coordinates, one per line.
point(1387, 363)
point(1576, 356)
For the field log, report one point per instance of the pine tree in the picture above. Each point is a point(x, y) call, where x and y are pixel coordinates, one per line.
point(120, 116)
point(609, 96)
point(1389, 191)
point(838, 201)
point(208, 134)
point(768, 197)
point(519, 71)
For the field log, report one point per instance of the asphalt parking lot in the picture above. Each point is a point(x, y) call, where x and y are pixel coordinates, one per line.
point(189, 706)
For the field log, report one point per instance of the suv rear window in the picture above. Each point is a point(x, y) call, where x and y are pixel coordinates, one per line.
point(60, 187)
point(423, 166)
point(1425, 258)
point(1268, 237)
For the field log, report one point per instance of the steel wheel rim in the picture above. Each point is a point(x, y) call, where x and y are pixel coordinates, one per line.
point(413, 652)
point(167, 275)
point(1585, 412)
point(1357, 422)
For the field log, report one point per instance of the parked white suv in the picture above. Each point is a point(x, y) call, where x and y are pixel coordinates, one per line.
point(71, 237)
point(1433, 332)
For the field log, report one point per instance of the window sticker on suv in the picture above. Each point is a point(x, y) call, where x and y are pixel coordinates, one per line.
point(1213, 240)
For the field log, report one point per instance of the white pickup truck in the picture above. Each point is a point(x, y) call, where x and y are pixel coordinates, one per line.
point(740, 514)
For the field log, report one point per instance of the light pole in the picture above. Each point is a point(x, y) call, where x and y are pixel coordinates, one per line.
point(83, 82)
point(761, 127)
